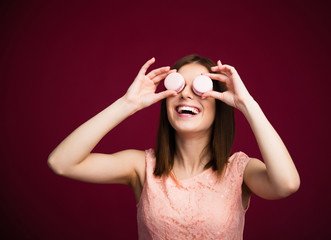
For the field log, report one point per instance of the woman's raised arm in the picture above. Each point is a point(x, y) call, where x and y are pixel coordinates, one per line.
point(73, 158)
point(277, 177)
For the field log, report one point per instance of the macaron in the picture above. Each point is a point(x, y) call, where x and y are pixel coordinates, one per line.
point(202, 84)
point(174, 81)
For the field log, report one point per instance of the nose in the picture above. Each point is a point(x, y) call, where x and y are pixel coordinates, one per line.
point(187, 92)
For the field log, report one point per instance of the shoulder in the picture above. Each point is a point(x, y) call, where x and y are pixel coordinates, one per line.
point(144, 167)
point(245, 164)
point(239, 158)
point(150, 157)
point(238, 162)
point(142, 162)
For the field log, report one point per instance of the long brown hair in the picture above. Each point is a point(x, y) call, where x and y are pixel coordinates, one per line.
point(222, 136)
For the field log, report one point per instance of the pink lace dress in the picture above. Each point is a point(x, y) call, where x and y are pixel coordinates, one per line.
point(194, 208)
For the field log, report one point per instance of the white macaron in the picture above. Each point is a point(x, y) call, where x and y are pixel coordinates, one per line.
point(174, 81)
point(202, 84)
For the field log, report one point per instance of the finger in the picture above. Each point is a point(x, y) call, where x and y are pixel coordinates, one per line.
point(214, 94)
point(164, 94)
point(144, 68)
point(227, 70)
point(158, 71)
point(215, 68)
point(224, 68)
point(216, 76)
point(162, 76)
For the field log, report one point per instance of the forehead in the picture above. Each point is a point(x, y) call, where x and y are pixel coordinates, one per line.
point(192, 70)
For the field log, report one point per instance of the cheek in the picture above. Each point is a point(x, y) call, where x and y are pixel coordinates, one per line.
point(170, 102)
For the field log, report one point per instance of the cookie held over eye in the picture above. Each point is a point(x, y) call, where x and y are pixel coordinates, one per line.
point(174, 81)
point(202, 84)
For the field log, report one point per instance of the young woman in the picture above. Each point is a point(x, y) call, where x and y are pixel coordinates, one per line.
point(190, 187)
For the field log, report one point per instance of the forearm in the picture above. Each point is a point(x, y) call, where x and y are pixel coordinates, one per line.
point(78, 145)
point(281, 170)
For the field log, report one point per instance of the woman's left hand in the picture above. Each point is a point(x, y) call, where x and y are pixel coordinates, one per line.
point(237, 94)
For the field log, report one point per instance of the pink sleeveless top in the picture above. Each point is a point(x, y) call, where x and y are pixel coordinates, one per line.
point(194, 208)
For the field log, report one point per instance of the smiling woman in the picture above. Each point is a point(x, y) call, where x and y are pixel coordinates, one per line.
point(190, 187)
point(221, 135)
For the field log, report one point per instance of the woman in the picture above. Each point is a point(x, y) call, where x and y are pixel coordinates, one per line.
point(190, 187)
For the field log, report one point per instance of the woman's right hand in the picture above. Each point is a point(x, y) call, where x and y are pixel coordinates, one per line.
point(142, 93)
point(73, 157)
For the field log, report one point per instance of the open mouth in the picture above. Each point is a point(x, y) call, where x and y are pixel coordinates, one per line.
point(187, 110)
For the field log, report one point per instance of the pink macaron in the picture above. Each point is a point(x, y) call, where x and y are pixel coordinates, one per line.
point(202, 84)
point(174, 81)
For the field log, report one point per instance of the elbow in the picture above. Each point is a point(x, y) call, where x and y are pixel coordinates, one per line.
point(53, 164)
point(289, 188)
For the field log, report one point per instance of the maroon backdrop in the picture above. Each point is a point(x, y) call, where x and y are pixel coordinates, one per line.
point(64, 61)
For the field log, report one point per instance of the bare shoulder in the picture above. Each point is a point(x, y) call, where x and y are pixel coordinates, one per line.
point(137, 158)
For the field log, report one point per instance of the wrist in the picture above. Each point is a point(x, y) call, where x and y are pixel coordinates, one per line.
point(249, 106)
point(129, 106)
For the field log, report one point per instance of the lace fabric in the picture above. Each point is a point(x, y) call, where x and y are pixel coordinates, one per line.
point(196, 208)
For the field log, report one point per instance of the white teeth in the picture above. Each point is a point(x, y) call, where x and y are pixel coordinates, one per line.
point(186, 108)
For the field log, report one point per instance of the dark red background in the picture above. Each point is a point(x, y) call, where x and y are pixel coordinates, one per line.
point(64, 61)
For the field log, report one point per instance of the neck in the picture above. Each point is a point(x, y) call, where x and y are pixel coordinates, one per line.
point(189, 159)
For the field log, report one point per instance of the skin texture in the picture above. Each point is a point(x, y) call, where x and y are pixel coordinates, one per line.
point(276, 178)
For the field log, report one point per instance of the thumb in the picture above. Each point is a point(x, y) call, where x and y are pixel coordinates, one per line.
point(164, 94)
point(214, 94)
